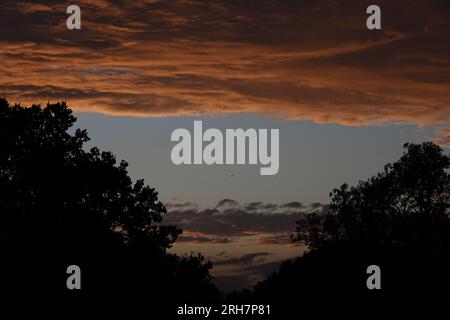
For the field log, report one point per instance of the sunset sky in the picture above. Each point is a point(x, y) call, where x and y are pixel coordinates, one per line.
point(344, 98)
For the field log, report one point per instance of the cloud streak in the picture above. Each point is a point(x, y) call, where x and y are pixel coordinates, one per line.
point(245, 241)
point(310, 60)
point(230, 219)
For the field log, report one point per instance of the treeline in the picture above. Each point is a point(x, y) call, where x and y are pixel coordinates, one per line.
point(61, 205)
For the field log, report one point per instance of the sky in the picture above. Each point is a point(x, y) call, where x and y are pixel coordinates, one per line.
point(344, 98)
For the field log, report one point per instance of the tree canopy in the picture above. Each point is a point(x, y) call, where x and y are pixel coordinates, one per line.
point(61, 205)
point(398, 219)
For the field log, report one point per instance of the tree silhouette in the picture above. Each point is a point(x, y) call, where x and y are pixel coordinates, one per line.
point(397, 220)
point(62, 205)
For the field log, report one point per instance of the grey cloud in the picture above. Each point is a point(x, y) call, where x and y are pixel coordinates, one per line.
point(227, 202)
point(252, 206)
point(234, 220)
point(202, 239)
point(277, 239)
point(246, 259)
point(293, 204)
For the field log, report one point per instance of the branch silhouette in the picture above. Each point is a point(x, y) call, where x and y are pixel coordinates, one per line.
point(398, 220)
point(62, 205)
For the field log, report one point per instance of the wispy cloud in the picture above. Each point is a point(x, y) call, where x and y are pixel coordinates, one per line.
point(295, 59)
point(245, 241)
point(246, 259)
point(230, 219)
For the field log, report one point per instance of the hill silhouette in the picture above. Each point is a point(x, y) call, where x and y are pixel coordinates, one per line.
point(61, 205)
point(398, 220)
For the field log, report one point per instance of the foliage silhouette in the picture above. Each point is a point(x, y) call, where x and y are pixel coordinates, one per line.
point(397, 220)
point(61, 205)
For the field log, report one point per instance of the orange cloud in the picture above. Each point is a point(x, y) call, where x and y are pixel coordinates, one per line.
point(313, 61)
point(28, 8)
